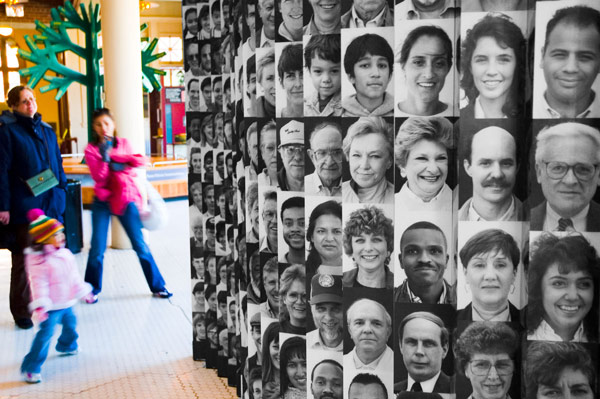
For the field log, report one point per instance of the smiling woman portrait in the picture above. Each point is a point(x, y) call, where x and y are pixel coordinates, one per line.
point(422, 156)
point(369, 241)
point(563, 290)
point(426, 60)
point(493, 67)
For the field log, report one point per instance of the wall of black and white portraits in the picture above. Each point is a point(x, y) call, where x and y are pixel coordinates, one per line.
point(395, 199)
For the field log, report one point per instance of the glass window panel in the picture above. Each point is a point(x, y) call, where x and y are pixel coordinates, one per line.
point(11, 56)
point(2, 87)
point(14, 79)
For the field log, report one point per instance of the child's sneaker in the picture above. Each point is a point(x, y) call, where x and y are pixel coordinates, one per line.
point(91, 298)
point(32, 378)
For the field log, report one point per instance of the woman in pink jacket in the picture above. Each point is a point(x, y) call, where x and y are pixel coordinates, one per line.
point(111, 164)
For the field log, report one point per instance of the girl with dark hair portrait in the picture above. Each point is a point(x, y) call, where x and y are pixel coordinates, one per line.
point(369, 241)
point(270, 362)
point(493, 67)
point(426, 60)
point(559, 370)
point(563, 290)
point(293, 373)
point(324, 234)
point(190, 18)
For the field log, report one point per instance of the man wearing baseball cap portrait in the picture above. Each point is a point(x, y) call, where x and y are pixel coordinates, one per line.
point(327, 312)
point(291, 148)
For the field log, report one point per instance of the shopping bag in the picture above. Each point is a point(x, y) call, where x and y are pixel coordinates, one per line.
point(155, 215)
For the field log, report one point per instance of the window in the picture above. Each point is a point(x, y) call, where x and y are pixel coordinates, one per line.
point(10, 63)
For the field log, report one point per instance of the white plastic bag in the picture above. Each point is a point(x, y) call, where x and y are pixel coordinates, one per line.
point(155, 215)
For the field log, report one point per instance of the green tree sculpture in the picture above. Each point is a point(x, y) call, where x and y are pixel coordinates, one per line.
point(55, 40)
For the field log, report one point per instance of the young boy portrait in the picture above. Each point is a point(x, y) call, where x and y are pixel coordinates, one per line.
point(323, 62)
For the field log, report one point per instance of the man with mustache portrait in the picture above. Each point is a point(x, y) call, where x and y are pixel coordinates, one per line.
point(492, 163)
point(423, 257)
point(326, 309)
point(326, 380)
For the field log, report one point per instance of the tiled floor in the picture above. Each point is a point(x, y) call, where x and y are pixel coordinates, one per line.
point(131, 345)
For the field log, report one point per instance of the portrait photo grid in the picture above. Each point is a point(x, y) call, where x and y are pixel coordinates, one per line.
point(394, 198)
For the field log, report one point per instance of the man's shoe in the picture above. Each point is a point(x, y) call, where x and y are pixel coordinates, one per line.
point(32, 378)
point(24, 324)
point(164, 294)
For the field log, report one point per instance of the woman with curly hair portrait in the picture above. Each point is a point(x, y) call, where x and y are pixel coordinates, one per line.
point(369, 241)
point(486, 354)
point(563, 290)
point(493, 67)
point(559, 370)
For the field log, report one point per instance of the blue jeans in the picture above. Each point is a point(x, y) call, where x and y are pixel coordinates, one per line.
point(133, 227)
point(32, 363)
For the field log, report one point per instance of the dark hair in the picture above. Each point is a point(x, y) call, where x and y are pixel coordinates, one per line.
point(490, 240)
point(193, 80)
point(292, 202)
point(330, 207)
point(369, 220)
point(14, 95)
point(210, 289)
point(427, 30)
point(96, 138)
point(250, 67)
point(205, 82)
point(328, 361)
point(188, 12)
point(425, 226)
point(204, 11)
point(271, 334)
point(368, 43)
point(444, 335)
point(507, 34)
point(290, 59)
point(255, 375)
point(222, 297)
point(485, 337)
point(198, 287)
point(215, 7)
point(546, 361)
point(570, 253)
point(292, 347)
point(326, 47)
point(368, 379)
point(216, 80)
point(580, 16)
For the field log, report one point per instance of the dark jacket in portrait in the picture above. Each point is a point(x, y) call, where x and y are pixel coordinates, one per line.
point(466, 314)
point(386, 20)
point(442, 385)
point(28, 146)
point(401, 293)
point(349, 278)
point(538, 215)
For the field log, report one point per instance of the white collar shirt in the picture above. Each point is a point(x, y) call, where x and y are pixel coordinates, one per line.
point(314, 186)
point(406, 199)
point(543, 110)
point(356, 22)
point(508, 215)
point(546, 333)
point(426, 385)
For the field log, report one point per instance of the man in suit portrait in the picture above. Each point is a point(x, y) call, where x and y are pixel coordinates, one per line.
point(423, 340)
point(566, 166)
point(423, 257)
point(368, 13)
point(491, 163)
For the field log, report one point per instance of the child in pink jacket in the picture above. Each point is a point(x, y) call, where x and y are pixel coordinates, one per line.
point(55, 287)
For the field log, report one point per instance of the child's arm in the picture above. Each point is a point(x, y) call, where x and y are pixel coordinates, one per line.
point(37, 272)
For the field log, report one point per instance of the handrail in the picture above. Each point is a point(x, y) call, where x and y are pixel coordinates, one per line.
point(72, 155)
point(175, 162)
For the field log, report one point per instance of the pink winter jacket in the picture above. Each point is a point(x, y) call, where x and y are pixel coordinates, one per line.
point(54, 278)
point(117, 188)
